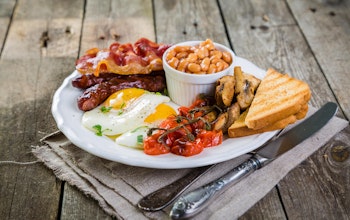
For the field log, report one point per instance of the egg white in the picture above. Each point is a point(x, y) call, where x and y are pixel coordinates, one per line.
point(116, 122)
point(133, 138)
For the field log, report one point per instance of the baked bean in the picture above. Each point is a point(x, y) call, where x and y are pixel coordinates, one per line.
point(194, 68)
point(182, 65)
point(170, 55)
point(226, 56)
point(202, 52)
point(179, 49)
point(226, 65)
point(192, 58)
point(214, 60)
point(205, 64)
point(181, 55)
point(201, 59)
point(174, 62)
point(208, 44)
point(216, 53)
point(219, 66)
point(212, 68)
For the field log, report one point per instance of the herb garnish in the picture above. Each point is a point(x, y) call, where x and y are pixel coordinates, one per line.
point(121, 110)
point(136, 129)
point(105, 109)
point(140, 139)
point(98, 130)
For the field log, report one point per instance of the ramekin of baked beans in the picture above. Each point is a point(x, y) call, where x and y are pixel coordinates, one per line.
point(192, 68)
point(203, 58)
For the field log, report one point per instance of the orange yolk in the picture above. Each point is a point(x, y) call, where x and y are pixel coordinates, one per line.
point(161, 112)
point(123, 98)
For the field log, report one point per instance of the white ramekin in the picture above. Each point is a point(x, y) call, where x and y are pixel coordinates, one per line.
point(183, 88)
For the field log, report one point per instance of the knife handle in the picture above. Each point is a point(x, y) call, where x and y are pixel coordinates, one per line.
point(193, 202)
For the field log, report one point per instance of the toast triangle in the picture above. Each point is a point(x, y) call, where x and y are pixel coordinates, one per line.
point(277, 97)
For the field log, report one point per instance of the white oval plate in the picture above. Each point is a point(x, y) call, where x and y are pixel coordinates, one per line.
point(68, 119)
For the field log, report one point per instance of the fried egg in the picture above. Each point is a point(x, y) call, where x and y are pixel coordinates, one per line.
point(124, 112)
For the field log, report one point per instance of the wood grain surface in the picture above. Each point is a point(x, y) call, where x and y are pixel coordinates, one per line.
point(40, 41)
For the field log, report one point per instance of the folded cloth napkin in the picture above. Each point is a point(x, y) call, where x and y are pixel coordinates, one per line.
point(118, 187)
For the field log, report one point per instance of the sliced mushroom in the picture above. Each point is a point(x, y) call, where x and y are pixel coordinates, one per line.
point(221, 122)
point(246, 85)
point(224, 91)
point(238, 74)
point(245, 98)
point(255, 82)
point(233, 114)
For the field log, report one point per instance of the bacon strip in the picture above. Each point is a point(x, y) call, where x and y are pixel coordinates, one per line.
point(143, 57)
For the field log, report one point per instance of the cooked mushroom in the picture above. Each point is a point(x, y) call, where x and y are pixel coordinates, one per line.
point(239, 79)
point(221, 122)
point(233, 114)
point(246, 86)
point(226, 119)
point(255, 82)
point(224, 92)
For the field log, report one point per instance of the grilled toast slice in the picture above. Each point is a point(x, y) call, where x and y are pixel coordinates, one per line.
point(277, 97)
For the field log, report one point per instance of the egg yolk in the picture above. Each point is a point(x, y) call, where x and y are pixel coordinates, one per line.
point(122, 98)
point(161, 112)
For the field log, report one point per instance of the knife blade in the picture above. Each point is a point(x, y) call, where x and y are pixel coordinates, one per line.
point(193, 202)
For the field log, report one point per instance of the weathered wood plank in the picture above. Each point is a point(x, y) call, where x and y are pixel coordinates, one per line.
point(331, 47)
point(31, 68)
point(172, 26)
point(109, 21)
point(330, 165)
point(6, 10)
point(44, 32)
point(270, 37)
point(266, 208)
point(88, 208)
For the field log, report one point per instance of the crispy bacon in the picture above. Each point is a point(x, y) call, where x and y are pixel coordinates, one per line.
point(100, 91)
point(143, 57)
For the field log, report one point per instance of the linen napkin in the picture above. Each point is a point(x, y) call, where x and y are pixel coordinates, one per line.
point(118, 187)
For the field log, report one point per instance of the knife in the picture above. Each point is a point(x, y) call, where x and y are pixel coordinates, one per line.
point(193, 202)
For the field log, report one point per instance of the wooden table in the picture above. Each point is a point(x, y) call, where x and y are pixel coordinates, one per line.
point(40, 41)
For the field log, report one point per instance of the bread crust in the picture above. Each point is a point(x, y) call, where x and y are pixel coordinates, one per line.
point(239, 129)
point(234, 131)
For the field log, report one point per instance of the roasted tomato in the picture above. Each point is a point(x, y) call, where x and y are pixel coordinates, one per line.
point(187, 148)
point(186, 134)
point(151, 145)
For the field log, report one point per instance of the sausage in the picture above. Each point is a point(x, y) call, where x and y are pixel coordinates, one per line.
point(98, 93)
point(88, 80)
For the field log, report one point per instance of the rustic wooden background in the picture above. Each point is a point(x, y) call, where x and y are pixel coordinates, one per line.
point(40, 41)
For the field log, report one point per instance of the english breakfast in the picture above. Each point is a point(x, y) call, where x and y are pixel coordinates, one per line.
point(124, 97)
